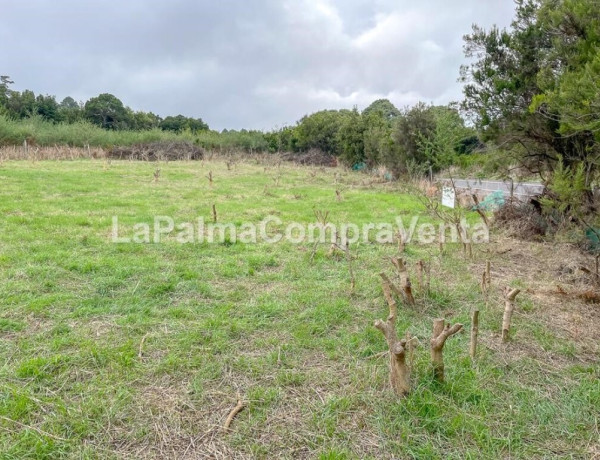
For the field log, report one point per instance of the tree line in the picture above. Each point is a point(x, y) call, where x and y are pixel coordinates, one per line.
point(531, 97)
point(105, 110)
point(413, 140)
point(408, 141)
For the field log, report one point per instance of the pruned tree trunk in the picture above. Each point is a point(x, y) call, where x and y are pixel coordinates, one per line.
point(474, 333)
point(441, 332)
point(214, 212)
point(420, 270)
point(350, 268)
point(509, 308)
point(391, 285)
point(404, 280)
point(486, 281)
point(399, 371)
point(400, 243)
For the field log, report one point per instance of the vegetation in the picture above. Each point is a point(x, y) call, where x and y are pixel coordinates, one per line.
point(140, 350)
point(232, 350)
point(36, 131)
point(530, 92)
point(532, 88)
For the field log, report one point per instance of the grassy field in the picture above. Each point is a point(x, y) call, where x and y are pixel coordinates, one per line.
point(141, 350)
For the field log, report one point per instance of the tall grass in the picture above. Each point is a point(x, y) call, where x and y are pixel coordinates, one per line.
point(82, 133)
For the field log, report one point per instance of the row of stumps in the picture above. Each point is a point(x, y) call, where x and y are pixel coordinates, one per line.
point(400, 348)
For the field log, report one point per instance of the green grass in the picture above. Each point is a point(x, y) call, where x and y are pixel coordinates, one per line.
point(140, 350)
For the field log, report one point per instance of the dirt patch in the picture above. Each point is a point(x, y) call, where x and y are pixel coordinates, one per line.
point(158, 151)
point(560, 293)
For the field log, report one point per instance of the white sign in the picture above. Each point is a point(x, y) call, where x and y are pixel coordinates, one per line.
point(448, 197)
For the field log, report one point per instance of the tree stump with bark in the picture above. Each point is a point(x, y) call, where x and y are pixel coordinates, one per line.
point(399, 371)
point(441, 332)
point(474, 334)
point(406, 285)
point(509, 308)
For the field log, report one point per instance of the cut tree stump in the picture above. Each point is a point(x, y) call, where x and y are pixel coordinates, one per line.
point(399, 371)
point(420, 270)
point(509, 308)
point(441, 332)
point(404, 279)
point(474, 333)
point(400, 243)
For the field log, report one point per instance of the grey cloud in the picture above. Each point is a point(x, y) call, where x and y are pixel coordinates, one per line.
point(253, 64)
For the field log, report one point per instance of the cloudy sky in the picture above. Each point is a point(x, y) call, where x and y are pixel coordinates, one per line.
point(256, 64)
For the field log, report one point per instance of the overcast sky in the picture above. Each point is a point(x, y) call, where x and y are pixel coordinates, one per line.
point(254, 64)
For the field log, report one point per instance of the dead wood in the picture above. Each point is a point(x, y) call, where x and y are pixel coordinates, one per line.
point(157, 151)
point(236, 410)
point(141, 350)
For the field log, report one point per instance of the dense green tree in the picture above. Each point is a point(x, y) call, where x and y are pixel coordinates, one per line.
point(21, 104)
point(351, 138)
point(411, 130)
point(5, 82)
point(568, 80)
point(69, 103)
point(383, 106)
point(197, 124)
point(378, 144)
point(509, 90)
point(174, 123)
point(283, 139)
point(106, 111)
point(180, 123)
point(447, 139)
point(141, 121)
point(320, 130)
point(47, 108)
point(69, 110)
